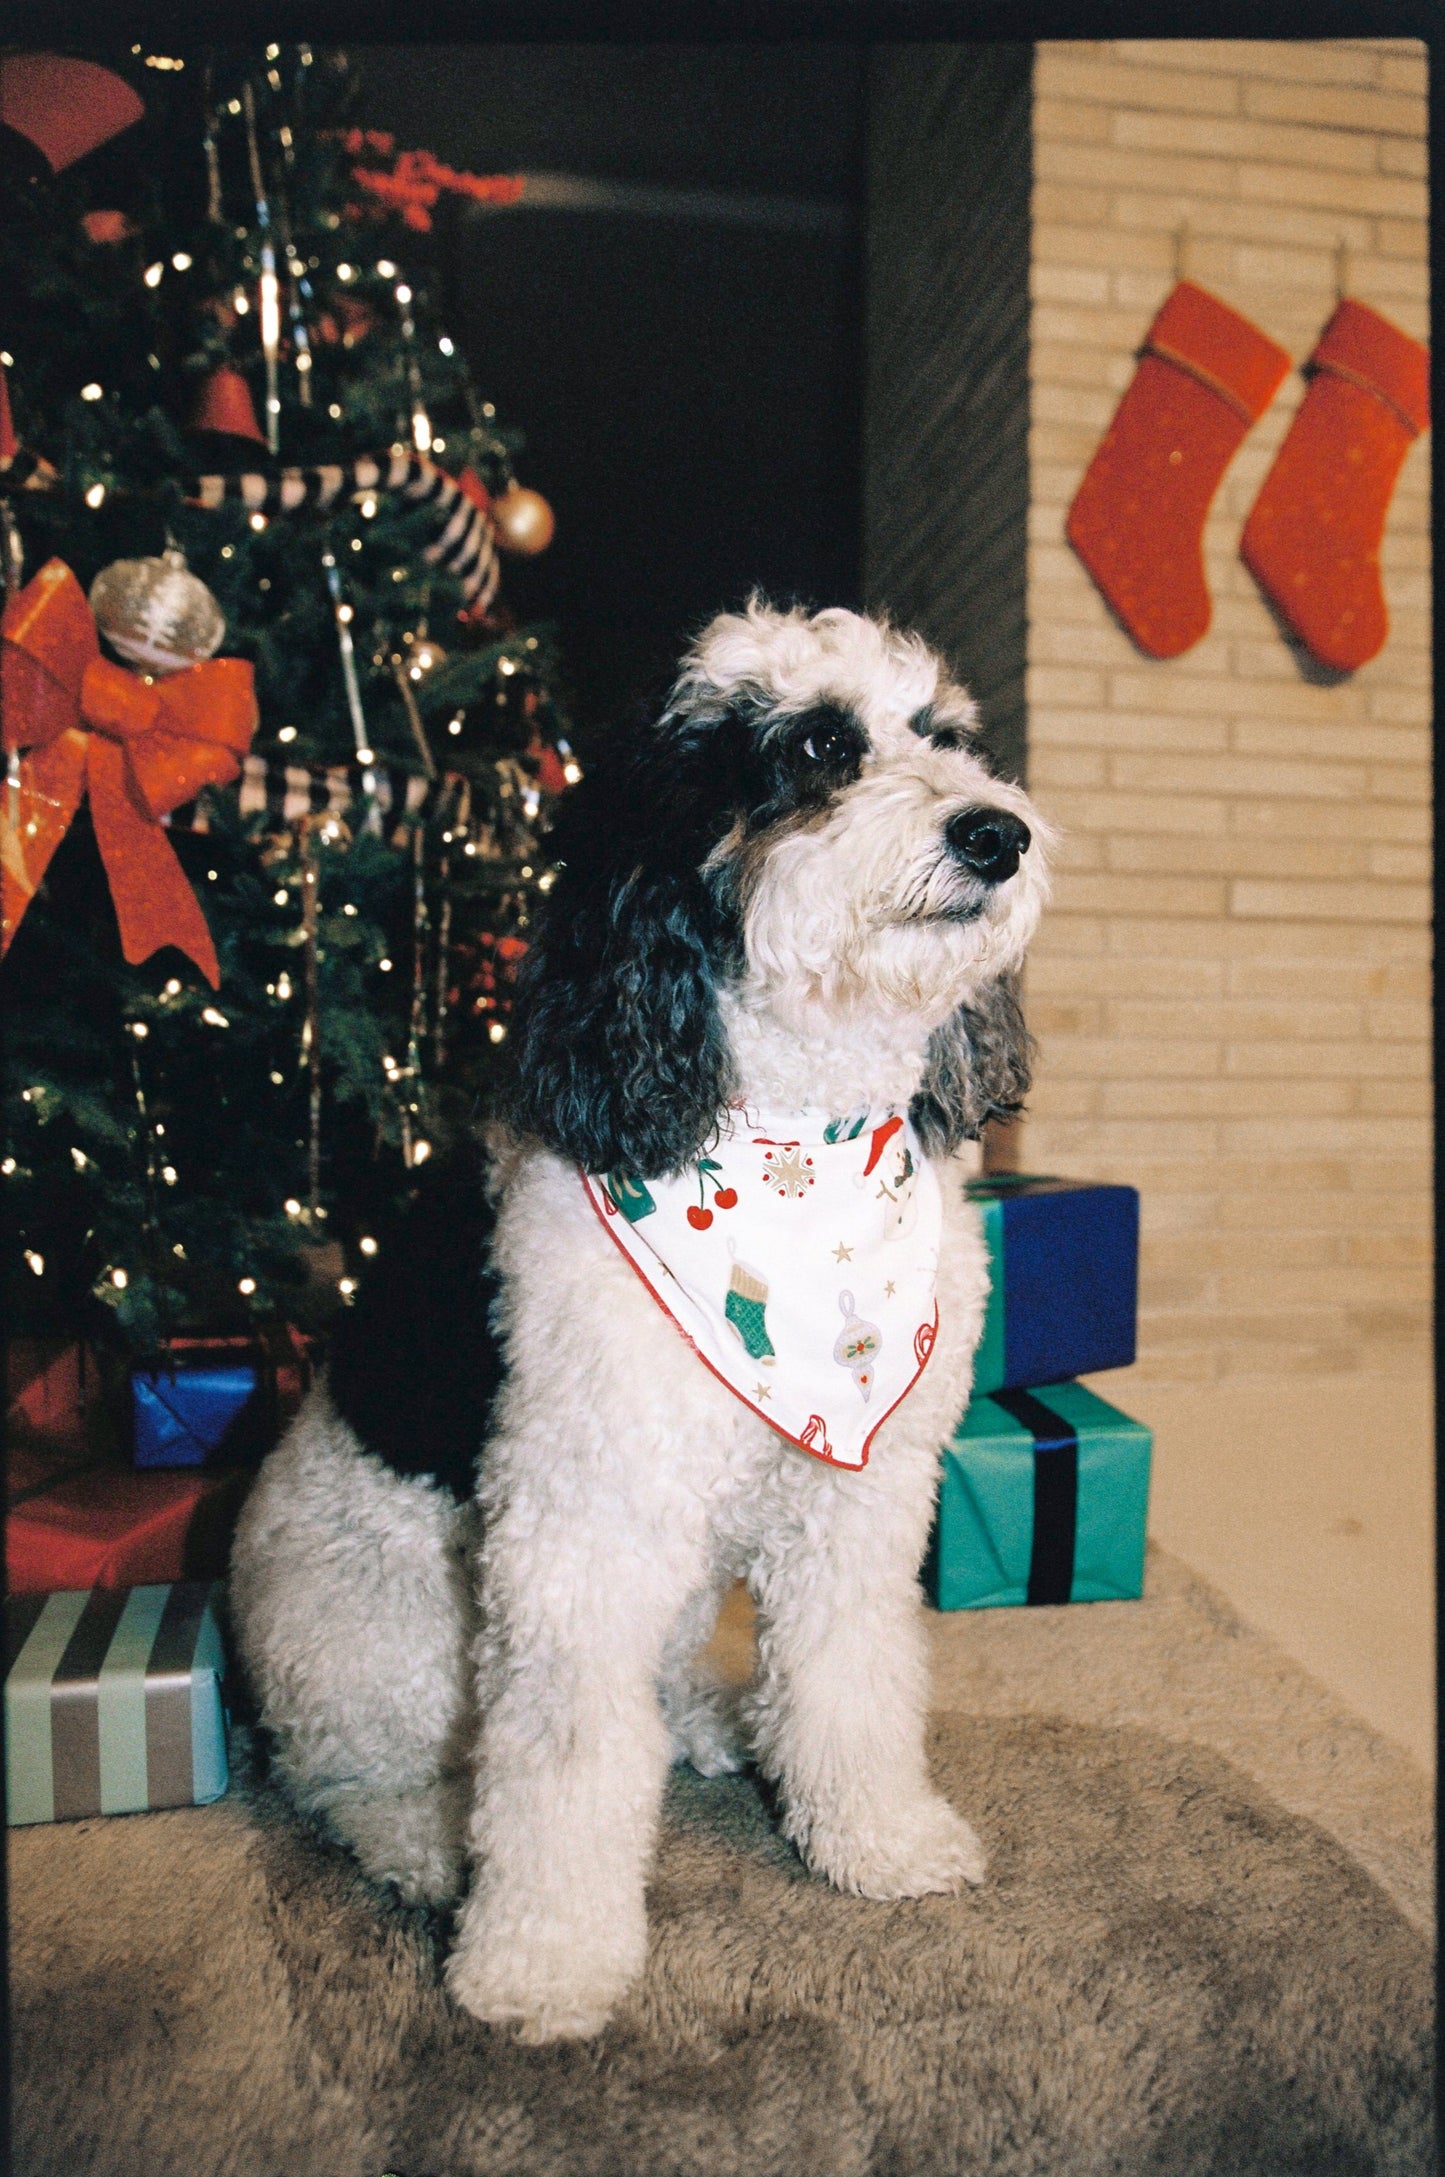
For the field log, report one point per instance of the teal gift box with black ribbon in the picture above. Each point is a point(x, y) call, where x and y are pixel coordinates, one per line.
point(1044, 1498)
point(113, 1701)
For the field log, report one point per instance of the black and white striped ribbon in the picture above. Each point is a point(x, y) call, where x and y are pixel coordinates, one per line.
point(463, 544)
point(284, 793)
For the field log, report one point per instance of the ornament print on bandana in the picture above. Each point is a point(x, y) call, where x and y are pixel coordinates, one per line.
point(757, 1290)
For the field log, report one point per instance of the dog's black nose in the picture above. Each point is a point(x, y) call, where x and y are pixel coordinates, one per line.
point(988, 842)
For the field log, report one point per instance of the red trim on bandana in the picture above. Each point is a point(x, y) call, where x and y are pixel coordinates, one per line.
point(844, 1466)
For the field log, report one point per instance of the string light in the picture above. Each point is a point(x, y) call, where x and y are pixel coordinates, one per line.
point(8, 1166)
point(92, 392)
point(291, 1206)
point(446, 345)
point(169, 1174)
point(36, 1261)
point(420, 1151)
point(280, 899)
point(346, 1286)
point(385, 966)
point(367, 1245)
point(386, 268)
point(96, 495)
point(79, 1159)
point(241, 303)
point(181, 262)
point(139, 1030)
point(120, 1279)
point(278, 1080)
point(283, 992)
point(246, 1285)
point(213, 1017)
point(173, 988)
point(153, 275)
point(334, 411)
point(287, 733)
point(346, 272)
point(454, 725)
point(497, 1032)
point(258, 521)
point(368, 508)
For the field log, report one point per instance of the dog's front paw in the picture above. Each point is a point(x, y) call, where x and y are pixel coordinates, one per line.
point(919, 1851)
point(547, 1988)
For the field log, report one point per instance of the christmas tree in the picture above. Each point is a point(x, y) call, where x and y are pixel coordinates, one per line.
point(234, 414)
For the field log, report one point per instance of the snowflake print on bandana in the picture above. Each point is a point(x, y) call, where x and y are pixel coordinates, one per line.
point(788, 1168)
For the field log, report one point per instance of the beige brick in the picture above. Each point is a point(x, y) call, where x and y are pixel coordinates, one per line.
point(1108, 167)
point(1144, 772)
point(1107, 81)
point(1404, 862)
point(1071, 404)
point(1323, 105)
point(1384, 1249)
point(1336, 150)
point(1383, 193)
point(1133, 733)
point(1059, 242)
point(1068, 121)
point(1056, 684)
point(1408, 988)
point(1234, 1017)
point(1317, 60)
point(1397, 1018)
point(1052, 202)
point(1149, 813)
point(1291, 267)
point(1078, 850)
point(1399, 782)
point(1228, 219)
point(1397, 1099)
point(1072, 363)
point(1115, 894)
point(1115, 978)
point(1405, 72)
point(1148, 1098)
point(1398, 155)
point(1091, 325)
point(1377, 903)
point(1368, 820)
point(1056, 767)
point(1233, 856)
point(1278, 736)
point(1113, 1058)
point(1359, 1060)
point(1284, 1137)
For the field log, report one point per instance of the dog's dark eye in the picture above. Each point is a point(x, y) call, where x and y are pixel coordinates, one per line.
point(825, 744)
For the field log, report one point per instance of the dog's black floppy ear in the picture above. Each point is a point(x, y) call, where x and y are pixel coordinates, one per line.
point(619, 1058)
point(978, 1068)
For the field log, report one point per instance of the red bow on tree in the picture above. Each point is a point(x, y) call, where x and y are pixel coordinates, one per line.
point(139, 748)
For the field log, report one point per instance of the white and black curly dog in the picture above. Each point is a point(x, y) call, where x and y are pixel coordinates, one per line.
point(788, 922)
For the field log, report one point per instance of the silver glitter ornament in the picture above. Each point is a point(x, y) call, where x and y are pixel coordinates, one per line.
point(156, 613)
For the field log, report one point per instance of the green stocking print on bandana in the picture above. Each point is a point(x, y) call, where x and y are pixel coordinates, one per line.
point(799, 1258)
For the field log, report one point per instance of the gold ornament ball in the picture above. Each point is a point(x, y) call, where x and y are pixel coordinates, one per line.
point(156, 613)
point(422, 657)
point(523, 521)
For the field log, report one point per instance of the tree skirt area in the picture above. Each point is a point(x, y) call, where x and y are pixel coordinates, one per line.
point(1201, 1949)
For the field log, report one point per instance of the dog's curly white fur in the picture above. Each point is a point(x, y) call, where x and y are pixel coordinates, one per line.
point(771, 907)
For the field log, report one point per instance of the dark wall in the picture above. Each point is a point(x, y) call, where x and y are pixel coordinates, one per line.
point(688, 378)
point(947, 405)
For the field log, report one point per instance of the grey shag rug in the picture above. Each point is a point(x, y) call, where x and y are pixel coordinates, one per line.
point(1167, 1973)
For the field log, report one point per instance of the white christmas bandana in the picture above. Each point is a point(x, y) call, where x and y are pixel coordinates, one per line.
point(799, 1258)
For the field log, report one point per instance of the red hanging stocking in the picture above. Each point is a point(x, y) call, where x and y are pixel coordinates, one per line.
point(1137, 522)
point(1312, 540)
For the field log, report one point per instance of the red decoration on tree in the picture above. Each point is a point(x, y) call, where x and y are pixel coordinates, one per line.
point(1312, 540)
point(104, 228)
point(224, 404)
point(138, 749)
point(64, 107)
point(1137, 522)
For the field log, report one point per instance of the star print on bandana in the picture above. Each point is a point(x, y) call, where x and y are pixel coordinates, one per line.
point(755, 1290)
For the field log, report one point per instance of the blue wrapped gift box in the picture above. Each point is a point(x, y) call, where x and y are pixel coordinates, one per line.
point(1044, 1498)
point(187, 1416)
point(112, 1702)
point(1065, 1291)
